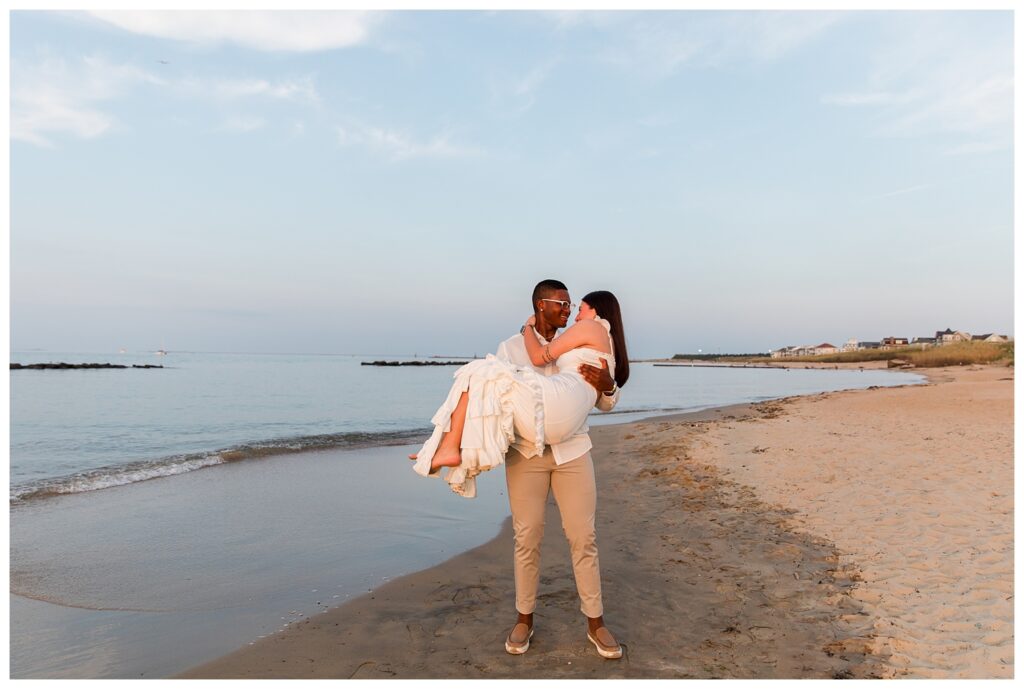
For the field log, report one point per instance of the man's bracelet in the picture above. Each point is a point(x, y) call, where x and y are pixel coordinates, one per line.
point(615, 388)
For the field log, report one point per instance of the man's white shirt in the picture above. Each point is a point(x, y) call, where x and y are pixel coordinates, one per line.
point(513, 350)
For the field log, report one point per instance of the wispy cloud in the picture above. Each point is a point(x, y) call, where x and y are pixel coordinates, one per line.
point(933, 75)
point(292, 31)
point(297, 90)
point(946, 104)
point(766, 36)
point(656, 51)
point(528, 84)
point(57, 96)
point(569, 20)
point(961, 105)
point(398, 145)
point(515, 96)
point(658, 44)
point(872, 98)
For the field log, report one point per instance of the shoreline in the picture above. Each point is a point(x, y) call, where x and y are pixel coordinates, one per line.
point(124, 470)
point(779, 364)
point(407, 608)
point(759, 593)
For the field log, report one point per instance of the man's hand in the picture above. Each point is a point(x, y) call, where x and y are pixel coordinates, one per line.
point(600, 378)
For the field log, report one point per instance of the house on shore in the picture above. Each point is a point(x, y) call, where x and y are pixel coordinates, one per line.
point(891, 342)
point(796, 350)
point(990, 337)
point(853, 345)
point(947, 336)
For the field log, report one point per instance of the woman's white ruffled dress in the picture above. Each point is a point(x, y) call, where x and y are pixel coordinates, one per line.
point(506, 400)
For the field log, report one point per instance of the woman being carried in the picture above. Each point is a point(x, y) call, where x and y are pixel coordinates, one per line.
point(492, 400)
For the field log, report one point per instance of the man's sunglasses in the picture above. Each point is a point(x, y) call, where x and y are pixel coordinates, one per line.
point(562, 304)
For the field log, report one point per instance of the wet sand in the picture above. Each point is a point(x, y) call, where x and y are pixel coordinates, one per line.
point(853, 534)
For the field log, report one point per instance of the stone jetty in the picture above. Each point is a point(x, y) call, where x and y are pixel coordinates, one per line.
point(63, 366)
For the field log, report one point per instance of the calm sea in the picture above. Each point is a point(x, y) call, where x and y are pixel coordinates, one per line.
point(76, 431)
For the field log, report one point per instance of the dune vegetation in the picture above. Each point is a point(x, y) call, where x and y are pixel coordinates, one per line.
point(956, 354)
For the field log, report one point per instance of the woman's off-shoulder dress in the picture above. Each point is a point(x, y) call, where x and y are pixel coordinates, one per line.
point(507, 400)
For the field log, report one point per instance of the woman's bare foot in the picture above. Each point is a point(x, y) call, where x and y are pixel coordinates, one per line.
point(448, 453)
point(445, 458)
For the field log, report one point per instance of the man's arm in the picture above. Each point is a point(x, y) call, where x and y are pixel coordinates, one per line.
point(513, 351)
point(601, 379)
point(607, 402)
point(503, 352)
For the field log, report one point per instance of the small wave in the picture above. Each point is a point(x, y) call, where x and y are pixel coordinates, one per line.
point(135, 472)
point(641, 410)
point(109, 477)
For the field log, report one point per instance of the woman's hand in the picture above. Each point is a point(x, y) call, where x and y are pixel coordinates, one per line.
point(531, 321)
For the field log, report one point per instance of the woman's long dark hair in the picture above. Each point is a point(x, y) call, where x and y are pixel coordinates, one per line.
point(607, 307)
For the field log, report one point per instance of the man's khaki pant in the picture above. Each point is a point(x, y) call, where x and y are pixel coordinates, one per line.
point(576, 494)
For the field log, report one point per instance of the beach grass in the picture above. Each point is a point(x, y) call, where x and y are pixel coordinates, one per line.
point(961, 353)
point(956, 354)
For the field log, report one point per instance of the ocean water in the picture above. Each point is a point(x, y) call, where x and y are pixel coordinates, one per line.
point(85, 430)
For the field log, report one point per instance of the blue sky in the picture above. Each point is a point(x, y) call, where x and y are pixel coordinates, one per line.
point(396, 183)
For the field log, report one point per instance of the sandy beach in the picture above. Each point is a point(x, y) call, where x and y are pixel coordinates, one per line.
point(864, 533)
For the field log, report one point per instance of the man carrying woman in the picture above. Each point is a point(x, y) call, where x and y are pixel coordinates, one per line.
point(526, 407)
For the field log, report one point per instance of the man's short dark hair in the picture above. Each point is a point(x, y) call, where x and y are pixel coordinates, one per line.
point(545, 288)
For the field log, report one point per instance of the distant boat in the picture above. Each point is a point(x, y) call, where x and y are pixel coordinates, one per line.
point(161, 352)
point(122, 351)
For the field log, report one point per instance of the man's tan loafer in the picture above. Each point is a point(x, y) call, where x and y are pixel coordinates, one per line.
point(605, 643)
point(519, 643)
